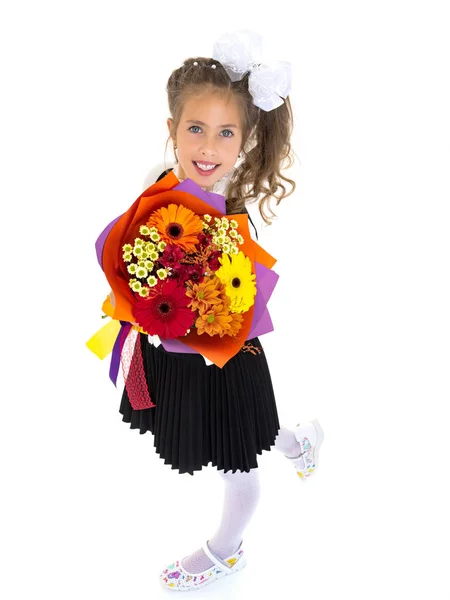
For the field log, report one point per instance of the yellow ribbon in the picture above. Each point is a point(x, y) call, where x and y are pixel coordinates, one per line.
point(102, 342)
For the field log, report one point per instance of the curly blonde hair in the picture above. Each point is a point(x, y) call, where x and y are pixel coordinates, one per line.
point(266, 136)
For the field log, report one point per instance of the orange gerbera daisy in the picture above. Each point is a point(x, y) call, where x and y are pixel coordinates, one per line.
point(177, 225)
point(211, 291)
point(214, 321)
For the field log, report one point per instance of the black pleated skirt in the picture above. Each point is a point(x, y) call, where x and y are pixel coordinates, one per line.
point(206, 414)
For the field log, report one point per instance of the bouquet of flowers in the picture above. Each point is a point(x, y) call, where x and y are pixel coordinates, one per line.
point(187, 271)
point(181, 269)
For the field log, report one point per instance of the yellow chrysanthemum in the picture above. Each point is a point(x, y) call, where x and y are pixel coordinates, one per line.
point(177, 225)
point(240, 286)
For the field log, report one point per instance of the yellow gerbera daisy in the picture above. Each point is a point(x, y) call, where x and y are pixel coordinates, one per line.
point(240, 286)
point(177, 225)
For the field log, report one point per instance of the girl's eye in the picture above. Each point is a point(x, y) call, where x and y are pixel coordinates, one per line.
point(197, 127)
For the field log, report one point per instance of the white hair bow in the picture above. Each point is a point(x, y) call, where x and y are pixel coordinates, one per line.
point(241, 51)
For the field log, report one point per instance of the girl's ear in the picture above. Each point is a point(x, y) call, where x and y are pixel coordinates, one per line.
point(169, 125)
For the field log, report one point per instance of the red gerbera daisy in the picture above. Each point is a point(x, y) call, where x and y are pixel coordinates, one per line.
point(165, 311)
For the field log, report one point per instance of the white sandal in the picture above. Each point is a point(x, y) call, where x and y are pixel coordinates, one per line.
point(176, 578)
point(310, 437)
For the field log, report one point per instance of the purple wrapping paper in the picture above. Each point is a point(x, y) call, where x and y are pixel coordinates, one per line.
point(216, 201)
point(266, 280)
point(101, 240)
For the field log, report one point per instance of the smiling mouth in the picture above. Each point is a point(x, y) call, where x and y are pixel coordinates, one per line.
point(205, 168)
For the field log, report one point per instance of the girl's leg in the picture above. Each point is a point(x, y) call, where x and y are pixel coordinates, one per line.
point(242, 492)
point(286, 443)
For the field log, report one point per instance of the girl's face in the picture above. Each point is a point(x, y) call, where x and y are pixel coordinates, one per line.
point(210, 135)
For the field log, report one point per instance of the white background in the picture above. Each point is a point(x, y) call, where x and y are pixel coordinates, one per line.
point(361, 311)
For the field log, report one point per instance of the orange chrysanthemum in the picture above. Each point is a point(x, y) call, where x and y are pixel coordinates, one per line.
point(206, 294)
point(177, 225)
point(235, 324)
point(215, 321)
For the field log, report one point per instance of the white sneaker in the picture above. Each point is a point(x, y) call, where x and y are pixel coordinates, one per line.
point(310, 437)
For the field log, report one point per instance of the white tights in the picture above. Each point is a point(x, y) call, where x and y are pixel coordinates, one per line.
point(242, 492)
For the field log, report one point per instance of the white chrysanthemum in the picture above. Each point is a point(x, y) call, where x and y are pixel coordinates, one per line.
point(161, 246)
point(141, 273)
point(144, 230)
point(154, 236)
point(150, 247)
point(136, 286)
point(234, 250)
point(127, 248)
point(127, 256)
point(233, 224)
point(162, 273)
point(152, 280)
point(220, 240)
point(217, 222)
point(240, 239)
point(132, 268)
point(207, 218)
point(149, 265)
point(225, 248)
point(137, 251)
point(153, 255)
point(144, 291)
point(225, 223)
point(138, 242)
point(143, 255)
point(233, 233)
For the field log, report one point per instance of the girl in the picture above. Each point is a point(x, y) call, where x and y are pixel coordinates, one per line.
point(230, 135)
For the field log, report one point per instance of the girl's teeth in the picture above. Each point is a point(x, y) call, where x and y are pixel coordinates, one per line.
point(204, 167)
